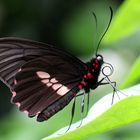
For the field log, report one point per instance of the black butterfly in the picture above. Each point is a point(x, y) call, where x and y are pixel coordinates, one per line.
point(44, 79)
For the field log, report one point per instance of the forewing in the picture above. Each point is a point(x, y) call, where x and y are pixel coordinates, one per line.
point(43, 81)
point(15, 52)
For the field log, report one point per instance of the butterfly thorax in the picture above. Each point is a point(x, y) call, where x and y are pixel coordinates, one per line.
point(90, 78)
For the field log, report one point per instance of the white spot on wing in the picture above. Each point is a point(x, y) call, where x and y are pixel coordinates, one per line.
point(62, 91)
point(42, 74)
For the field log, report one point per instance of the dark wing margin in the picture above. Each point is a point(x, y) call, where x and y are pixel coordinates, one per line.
point(44, 83)
point(57, 105)
point(15, 52)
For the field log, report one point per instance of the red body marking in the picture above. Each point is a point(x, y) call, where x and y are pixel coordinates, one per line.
point(85, 76)
point(83, 83)
point(89, 75)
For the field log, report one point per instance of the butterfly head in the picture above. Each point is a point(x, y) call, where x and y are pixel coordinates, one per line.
point(106, 68)
point(99, 58)
point(97, 62)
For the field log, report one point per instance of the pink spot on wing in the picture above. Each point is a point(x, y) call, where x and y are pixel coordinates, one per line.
point(19, 70)
point(62, 91)
point(26, 112)
point(42, 74)
point(92, 70)
point(17, 104)
point(49, 84)
point(45, 81)
point(14, 94)
point(56, 86)
point(53, 80)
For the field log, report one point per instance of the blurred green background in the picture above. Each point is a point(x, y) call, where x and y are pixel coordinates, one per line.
point(71, 26)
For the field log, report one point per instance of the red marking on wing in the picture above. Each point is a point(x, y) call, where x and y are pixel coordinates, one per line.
point(26, 112)
point(14, 94)
point(18, 104)
point(15, 82)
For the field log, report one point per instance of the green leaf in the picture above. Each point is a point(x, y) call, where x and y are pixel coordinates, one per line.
point(104, 117)
point(125, 22)
point(133, 76)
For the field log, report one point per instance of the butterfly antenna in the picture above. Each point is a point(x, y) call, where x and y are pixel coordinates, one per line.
point(111, 15)
point(96, 23)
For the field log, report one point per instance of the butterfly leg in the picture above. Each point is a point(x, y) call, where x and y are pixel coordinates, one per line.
point(113, 85)
point(82, 108)
point(88, 97)
point(72, 114)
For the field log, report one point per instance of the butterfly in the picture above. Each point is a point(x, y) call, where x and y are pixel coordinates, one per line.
point(44, 79)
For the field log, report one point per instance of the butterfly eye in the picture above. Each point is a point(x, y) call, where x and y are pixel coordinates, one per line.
point(99, 58)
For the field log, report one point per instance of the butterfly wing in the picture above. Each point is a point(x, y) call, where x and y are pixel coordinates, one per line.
point(15, 52)
point(28, 61)
point(43, 82)
point(57, 105)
